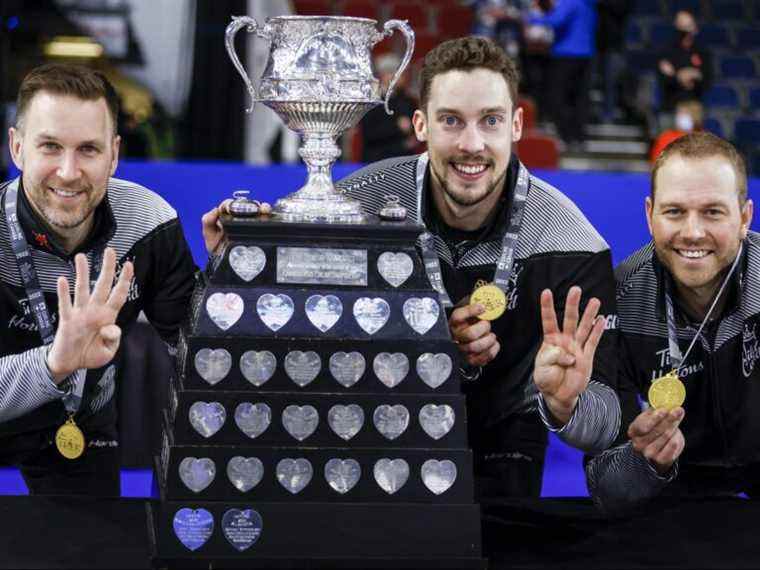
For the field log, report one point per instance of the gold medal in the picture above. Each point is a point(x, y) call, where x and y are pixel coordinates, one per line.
point(492, 298)
point(69, 440)
point(667, 392)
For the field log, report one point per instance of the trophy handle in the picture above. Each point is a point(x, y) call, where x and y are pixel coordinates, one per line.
point(388, 28)
point(229, 42)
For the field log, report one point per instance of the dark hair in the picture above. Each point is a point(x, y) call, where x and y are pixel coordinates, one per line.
point(704, 145)
point(65, 79)
point(466, 54)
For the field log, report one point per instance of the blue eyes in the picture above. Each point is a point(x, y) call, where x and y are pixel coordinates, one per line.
point(490, 121)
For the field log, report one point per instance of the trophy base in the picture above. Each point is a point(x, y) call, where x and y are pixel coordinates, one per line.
point(324, 535)
point(334, 209)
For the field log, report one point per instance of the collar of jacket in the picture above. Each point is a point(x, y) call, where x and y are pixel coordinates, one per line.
point(733, 290)
point(39, 236)
point(492, 231)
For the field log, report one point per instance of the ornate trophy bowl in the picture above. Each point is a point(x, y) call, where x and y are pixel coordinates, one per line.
point(319, 80)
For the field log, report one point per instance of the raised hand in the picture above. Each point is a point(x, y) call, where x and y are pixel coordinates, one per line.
point(473, 336)
point(565, 360)
point(657, 436)
point(87, 335)
point(213, 233)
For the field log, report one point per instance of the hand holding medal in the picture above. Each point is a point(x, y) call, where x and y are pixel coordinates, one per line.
point(473, 336)
point(655, 433)
point(565, 360)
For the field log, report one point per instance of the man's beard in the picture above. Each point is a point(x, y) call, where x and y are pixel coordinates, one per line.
point(468, 200)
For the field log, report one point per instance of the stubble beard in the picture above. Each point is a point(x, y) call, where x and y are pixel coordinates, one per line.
point(465, 199)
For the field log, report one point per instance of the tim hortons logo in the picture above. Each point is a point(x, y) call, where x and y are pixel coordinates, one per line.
point(750, 350)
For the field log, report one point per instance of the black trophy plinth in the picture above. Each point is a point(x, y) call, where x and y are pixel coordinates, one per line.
point(316, 420)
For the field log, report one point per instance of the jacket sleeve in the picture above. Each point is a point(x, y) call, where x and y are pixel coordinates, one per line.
point(26, 383)
point(595, 423)
point(621, 478)
point(171, 281)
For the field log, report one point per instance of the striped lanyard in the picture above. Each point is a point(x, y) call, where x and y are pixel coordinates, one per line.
point(676, 360)
point(504, 266)
point(72, 400)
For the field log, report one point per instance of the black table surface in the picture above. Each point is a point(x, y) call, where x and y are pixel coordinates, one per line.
point(65, 532)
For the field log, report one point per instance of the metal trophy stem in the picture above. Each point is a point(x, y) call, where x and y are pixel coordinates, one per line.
point(318, 79)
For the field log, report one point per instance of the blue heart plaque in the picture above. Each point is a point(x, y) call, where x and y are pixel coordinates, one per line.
point(241, 528)
point(193, 527)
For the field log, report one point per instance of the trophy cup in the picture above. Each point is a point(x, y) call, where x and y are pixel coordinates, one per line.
point(316, 419)
point(319, 80)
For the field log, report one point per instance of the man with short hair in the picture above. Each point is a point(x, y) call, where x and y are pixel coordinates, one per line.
point(488, 220)
point(64, 216)
point(689, 302)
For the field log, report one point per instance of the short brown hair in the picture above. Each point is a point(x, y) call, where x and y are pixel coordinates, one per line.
point(467, 54)
point(65, 79)
point(704, 145)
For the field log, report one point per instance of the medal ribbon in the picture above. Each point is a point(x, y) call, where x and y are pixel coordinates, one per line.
point(676, 360)
point(73, 399)
point(506, 261)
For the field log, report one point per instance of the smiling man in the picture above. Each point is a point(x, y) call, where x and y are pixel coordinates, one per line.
point(489, 221)
point(688, 302)
point(64, 216)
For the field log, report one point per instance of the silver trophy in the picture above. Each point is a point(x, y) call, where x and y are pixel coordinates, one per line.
point(318, 79)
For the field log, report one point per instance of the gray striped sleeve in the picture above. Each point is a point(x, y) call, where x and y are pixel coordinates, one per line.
point(595, 422)
point(26, 383)
point(621, 478)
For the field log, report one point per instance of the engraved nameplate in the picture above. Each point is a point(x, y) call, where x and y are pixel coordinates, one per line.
point(321, 266)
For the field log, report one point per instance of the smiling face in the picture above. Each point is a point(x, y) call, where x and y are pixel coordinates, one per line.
point(469, 126)
point(697, 222)
point(66, 150)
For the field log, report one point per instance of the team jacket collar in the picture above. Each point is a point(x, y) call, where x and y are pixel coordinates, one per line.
point(733, 290)
point(39, 236)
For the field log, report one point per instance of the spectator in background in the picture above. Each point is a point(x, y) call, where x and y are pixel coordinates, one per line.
point(386, 135)
point(501, 21)
point(684, 69)
point(689, 118)
point(613, 15)
point(574, 26)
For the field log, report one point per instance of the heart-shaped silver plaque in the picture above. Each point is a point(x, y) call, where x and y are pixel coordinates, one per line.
point(438, 476)
point(434, 369)
point(207, 418)
point(391, 474)
point(346, 421)
point(323, 311)
point(258, 366)
point(294, 474)
point(437, 421)
point(342, 474)
point(275, 310)
point(391, 421)
point(347, 368)
point(213, 365)
point(395, 267)
point(421, 313)
point(253, 419)
point(371, 314)
point(300, 421)
point(245, 472)
point(247, 261)
point(302, 367)
point(224, 309)
point(197, 474)
point(391, 369)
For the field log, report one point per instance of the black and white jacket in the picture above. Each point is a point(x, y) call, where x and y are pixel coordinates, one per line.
point(142, 228)
point(722, 424)
point(557, 248)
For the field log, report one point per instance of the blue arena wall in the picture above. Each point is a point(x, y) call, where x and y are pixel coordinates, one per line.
point(613, 202)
